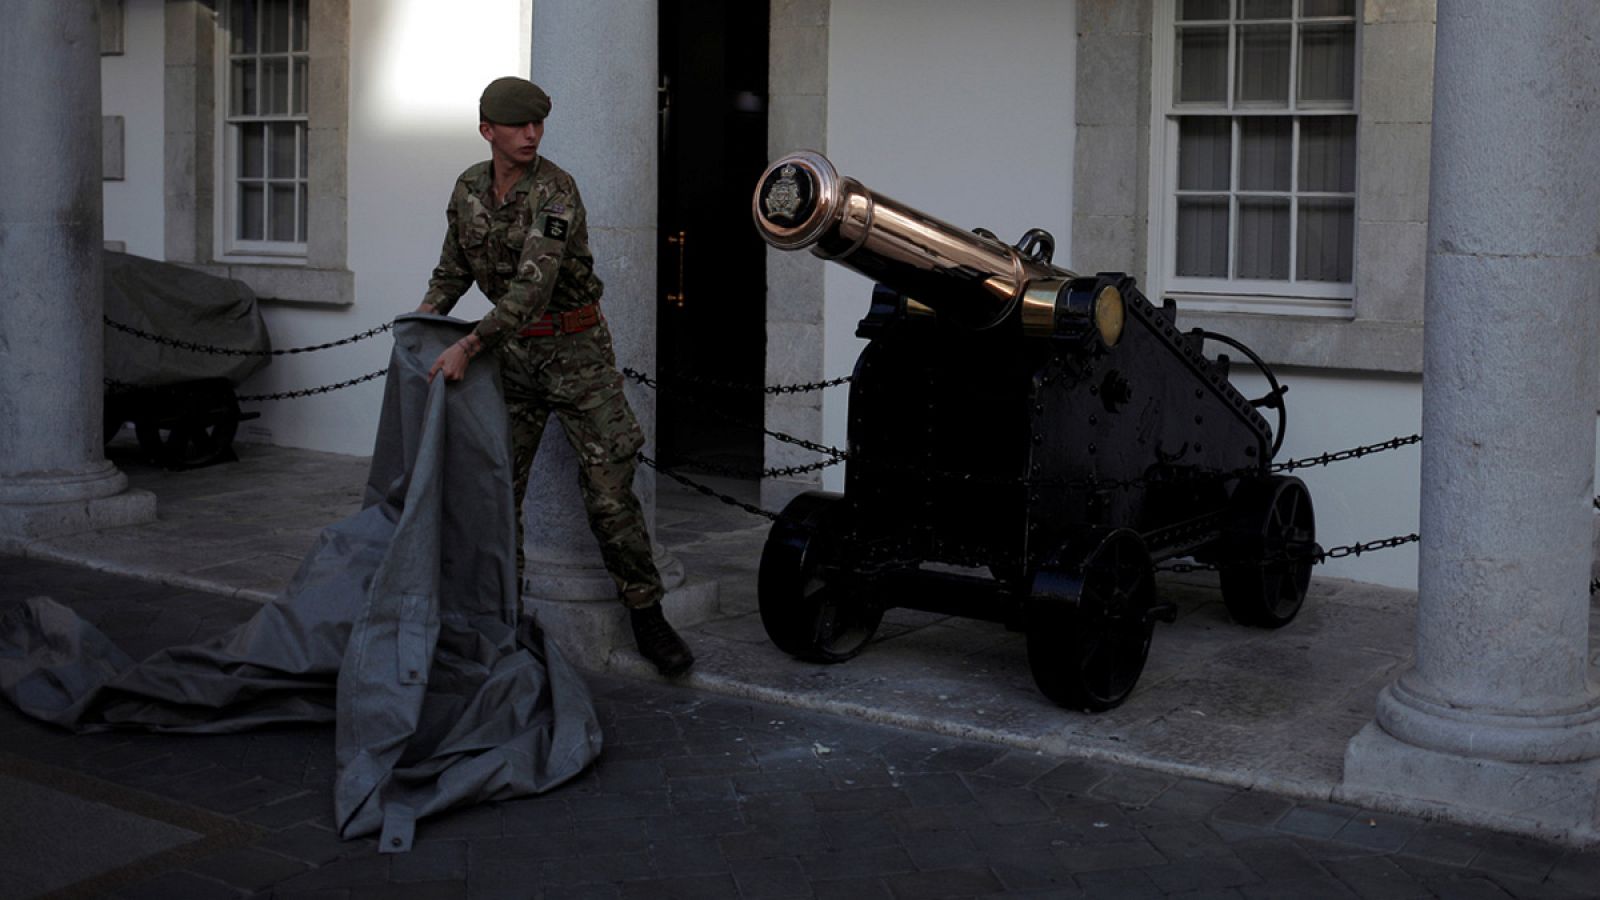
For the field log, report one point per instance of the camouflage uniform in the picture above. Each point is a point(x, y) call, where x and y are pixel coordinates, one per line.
point(531, 256)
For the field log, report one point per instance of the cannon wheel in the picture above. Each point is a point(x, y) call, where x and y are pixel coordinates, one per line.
point(1092, 615)
point(1268, 550)
point(187, 444)
point(808, 609)
point(189, 424)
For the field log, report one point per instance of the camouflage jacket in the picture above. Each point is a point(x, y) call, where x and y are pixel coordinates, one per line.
point(529, 255)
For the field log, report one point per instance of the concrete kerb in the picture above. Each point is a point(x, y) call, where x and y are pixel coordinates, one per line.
point(42, 550)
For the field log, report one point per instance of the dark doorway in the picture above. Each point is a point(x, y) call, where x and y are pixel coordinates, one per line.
point(711, 298)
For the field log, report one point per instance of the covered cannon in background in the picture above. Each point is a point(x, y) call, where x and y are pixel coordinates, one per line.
point(179, 397)
point(1025, 443)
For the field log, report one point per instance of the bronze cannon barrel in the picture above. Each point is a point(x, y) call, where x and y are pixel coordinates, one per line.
point(801, 201)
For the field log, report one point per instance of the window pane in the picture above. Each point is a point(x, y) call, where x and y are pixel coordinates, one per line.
point(242, 88)
point(250, 209)
point(1263, 238)
point(1202, 75)
point(282, 139)
point(1327, 64)
point(274, 87)
point(1205, 153)
point(242, 26)
point(1263, 77)
point(1266, 146)
point(1328, 8)
point(275, 26)
point(251, 150)
point(1327, 240)
point(283, 207)
point(1328, 154)
point(1266, 9)
point(301, 131)
point(1190, 10)
point(300, 233)
point(299, 107)
point(1203, 237)
point(302, 24)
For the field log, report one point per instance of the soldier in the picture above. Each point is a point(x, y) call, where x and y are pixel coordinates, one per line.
point(517, 227)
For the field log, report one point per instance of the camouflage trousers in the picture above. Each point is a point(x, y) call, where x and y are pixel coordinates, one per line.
point(575, 377)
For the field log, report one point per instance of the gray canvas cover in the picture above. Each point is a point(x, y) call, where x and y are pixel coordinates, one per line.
point(179, 303)
point(401, 624)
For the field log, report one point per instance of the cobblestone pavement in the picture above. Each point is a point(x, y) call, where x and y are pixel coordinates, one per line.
point(695, 796)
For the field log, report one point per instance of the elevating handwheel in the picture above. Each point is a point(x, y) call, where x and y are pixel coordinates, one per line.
point(1091, 614)
point(809, 608)
point(1268, 549)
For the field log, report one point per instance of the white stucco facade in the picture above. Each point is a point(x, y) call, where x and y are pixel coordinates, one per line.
point(967, 111)
point(962, 110)
point(412, 129)
point(131, 87)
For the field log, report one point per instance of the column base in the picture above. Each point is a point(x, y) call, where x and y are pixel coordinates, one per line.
point(21, 523)
point(586, 580)
point(1572, 735)
point(588, 631)
point(1553, 801)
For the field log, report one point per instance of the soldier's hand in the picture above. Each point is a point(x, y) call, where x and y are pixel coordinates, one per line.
point(453, 361)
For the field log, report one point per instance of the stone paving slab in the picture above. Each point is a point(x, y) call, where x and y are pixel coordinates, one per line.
point(700, 794)
point(1236, 706)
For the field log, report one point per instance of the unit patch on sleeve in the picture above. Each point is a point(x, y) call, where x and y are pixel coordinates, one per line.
point(555, 227)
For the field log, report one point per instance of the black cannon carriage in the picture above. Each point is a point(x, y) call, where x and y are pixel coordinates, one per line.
point(1025, 444)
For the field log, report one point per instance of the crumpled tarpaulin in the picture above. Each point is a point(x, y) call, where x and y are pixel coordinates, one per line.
point(401, 625)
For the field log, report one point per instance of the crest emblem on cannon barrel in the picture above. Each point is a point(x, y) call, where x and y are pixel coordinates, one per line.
point(783, 195)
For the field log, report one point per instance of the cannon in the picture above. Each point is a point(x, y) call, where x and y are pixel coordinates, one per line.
point(179, 398)
point(1025, 444)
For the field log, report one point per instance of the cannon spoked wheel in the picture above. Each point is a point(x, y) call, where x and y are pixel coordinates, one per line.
point(1268, 549)
point(808, 608)
point(188, 444)
point(1092, 613)
point(188, 424)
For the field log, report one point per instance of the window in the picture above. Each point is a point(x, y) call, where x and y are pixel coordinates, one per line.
point(1258, 133)
point(265, 170)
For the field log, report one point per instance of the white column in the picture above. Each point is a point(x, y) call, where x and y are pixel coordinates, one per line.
point(598, 60)
point(54, 477)
point(1499, 717)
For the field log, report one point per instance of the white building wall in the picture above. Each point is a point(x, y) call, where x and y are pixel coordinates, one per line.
point(413, 128)
point(963, 110)
point(1358, 500)
point(131, 86)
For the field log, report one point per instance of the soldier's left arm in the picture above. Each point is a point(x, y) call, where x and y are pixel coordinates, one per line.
point(558, 217)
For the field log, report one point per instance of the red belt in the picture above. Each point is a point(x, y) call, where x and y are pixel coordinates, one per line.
point(571, 322)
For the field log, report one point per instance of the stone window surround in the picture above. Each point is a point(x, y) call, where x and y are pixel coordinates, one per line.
point(321, 277)
point(1111, 206)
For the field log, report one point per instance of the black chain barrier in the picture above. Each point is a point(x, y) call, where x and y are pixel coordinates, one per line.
point(226, 351)
point(674, 379)
point(688, 482)
point(1318, 558)
point(1354, 453)
point(308, 392)
point(116, 385)
point(834, 455)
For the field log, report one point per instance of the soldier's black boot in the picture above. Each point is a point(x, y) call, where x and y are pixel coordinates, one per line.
point(658, 642)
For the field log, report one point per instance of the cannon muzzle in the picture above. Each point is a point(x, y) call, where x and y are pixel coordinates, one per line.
point(967, 277)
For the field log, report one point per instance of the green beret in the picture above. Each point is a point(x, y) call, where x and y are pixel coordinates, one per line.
point(513, 101)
